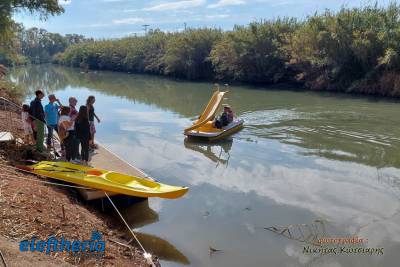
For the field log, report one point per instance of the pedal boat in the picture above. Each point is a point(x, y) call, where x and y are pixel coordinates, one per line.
point(203, 127)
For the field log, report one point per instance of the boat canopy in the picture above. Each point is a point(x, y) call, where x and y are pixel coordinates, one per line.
point(209, 112)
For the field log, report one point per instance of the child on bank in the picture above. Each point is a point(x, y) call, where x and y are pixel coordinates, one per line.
point(27, 125)
point(72, 105)
point(82, 128)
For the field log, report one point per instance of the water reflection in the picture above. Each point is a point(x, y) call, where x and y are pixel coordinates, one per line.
point(308, 233)
point(139, 215)
point(216, 152)
point(325, 125)
point(301, 156)
point(366, 137)
point(162, 248)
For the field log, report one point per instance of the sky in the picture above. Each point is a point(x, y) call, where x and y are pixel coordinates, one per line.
point(119, 18)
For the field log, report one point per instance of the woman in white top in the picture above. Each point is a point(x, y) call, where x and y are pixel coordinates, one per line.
point(66, 132)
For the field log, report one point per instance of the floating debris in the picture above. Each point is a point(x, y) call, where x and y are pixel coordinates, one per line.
point(206, 214)
point(307, 233)
point(213, 250)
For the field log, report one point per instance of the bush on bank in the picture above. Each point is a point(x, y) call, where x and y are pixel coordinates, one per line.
point(353, 50)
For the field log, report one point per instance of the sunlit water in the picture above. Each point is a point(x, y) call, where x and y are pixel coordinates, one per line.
point(301, 157)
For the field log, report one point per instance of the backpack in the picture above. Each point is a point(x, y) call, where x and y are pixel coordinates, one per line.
point(62, 129)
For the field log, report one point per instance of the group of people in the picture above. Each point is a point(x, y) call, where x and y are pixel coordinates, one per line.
point(74, 127)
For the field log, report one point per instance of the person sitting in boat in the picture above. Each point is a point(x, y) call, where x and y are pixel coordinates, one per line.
point(225, 118)
point(230, 114)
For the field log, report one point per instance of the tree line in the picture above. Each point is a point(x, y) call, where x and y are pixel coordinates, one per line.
point(35, 45)
point(19, 45)
point(11, 45)
point(352, 50)
point(10, 53)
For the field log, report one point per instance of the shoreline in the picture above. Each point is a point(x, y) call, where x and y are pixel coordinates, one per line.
point(288, 86)
point(43, 211)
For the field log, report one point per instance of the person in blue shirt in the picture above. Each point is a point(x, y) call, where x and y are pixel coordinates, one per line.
point(51, 116)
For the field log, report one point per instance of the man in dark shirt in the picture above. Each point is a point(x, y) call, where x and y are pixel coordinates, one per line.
point(224, 119)
point(36, 110)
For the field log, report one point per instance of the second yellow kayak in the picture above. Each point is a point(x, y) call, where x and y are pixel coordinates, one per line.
point(105, 180)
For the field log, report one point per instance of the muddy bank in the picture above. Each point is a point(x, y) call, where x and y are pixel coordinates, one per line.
point(30, 208)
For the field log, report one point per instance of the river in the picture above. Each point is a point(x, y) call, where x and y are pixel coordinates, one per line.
point(316, 164)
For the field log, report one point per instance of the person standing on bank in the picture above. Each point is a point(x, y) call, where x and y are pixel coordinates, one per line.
point(66, 132)
point(82, 128)
point(37, 112)
point(89, 104)
point(51, 115)
point(72, 105)
point(73, 113)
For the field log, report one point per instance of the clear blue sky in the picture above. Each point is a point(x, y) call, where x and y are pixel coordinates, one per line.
point(117, 18)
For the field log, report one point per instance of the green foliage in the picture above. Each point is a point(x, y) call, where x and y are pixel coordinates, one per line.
point(353, 50)
point(35, 45)
point(337, 51)
point(11, 44)
point(177, 54)
point(253, 54)
point(39, 46)
point(43, 7)
point(187, 53)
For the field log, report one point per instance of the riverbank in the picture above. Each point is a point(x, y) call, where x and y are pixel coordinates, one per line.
point(30, 208)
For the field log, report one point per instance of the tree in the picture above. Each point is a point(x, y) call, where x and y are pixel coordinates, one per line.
point(8, 7)
point(43, 7)
point(187, 53)
point(253, 53)
point(39, 45)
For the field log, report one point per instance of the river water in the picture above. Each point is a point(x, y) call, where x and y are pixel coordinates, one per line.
point(306, 165)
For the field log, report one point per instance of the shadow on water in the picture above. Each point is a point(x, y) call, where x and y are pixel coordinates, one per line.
point(140, 214)
point(137, 213)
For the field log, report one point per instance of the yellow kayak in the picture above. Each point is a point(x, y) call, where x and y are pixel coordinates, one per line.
point(105, 180)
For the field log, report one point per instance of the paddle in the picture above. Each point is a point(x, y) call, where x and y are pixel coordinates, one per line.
point(91, 172)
